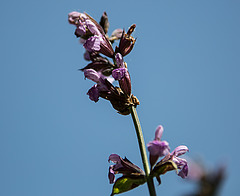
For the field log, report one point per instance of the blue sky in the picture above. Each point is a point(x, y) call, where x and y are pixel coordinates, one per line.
point(185, 72)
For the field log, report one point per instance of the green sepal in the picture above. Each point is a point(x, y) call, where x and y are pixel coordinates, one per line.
point(162, 167)
point(127, 183)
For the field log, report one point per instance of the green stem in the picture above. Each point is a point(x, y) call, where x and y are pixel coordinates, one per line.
point(142, 148)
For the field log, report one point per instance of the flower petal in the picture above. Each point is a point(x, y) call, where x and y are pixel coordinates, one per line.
point(80, 30)
point(93, 43)
point(114, 158)
point(180, 150)
point(91, 74)
point(92, 27)
point(119, 73)
point(119, 60)
point(93, 93)
point(184, 172)
point(159, 148)
point(159, 132)
point(73, 16)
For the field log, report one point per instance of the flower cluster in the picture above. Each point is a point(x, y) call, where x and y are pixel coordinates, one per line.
point(106, 67)
point(101, 70)
point(156, 148)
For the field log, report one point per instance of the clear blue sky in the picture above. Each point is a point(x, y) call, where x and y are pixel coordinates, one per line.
point(185, 71)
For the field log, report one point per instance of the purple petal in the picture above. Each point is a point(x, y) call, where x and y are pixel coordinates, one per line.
point(91, 74)
point(93, 43)
point(180, 150)
point(114, 158)
point(179, 161)
point(92, 27)
point(160, 148)
point(159, 132)
point(111, 175)
point(119, 60)
point(73, 16)
point(80, 30)
point(93, 93)
point(119, 73)
point(117, 33)
point(184, 172)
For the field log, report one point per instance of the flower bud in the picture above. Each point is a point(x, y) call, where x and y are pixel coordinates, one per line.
point(126, 42)
point(104, 22)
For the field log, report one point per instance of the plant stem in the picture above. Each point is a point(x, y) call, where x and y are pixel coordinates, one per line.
point(142, 148)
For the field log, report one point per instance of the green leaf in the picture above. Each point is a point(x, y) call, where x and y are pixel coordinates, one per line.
point(127, 183)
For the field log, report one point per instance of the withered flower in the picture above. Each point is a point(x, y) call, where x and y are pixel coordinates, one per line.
point(126, 42)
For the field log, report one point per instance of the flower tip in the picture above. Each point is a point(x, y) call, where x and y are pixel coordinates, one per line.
point(131, 29)
point(114, 158)
point(180, 150)
point(159, 132)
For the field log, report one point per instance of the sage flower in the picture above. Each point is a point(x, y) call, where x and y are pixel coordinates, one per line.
point(132, 175)
point(93, 34)
point(181, 163)
point(122, 75)
point(172, 162)
point(103, 88)
point(123, 166)
point(157, 148)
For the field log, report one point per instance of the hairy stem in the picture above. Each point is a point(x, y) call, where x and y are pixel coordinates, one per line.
point(142, 148)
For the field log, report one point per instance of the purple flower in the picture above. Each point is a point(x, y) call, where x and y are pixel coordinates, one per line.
point(119, 60)
point(171, 162)
point(101, 70)
point(119, 73)
point(80, 30)
point(106, 90)
point(74, 17)
point(157, 148)
point(181, 163)
point(88, 29)
point(92, 27)
point(122, 75)
point(93, 93)
point(93, 43)
point(99, 63)
point(123, 166)
point(91, 74)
